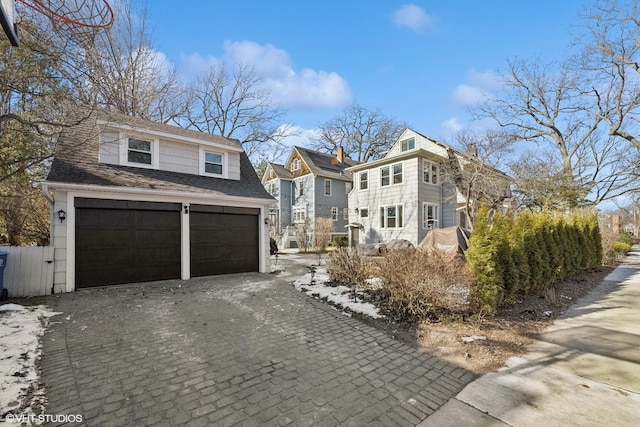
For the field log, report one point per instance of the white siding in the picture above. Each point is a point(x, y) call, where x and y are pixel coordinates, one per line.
point(109, 148)
point(59, 242)
point(177, 157)
point(173, 156)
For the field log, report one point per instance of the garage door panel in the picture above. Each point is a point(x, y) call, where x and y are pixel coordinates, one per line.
point(115, 246)
point(223, 242)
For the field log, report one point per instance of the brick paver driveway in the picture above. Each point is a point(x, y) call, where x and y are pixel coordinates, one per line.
point(231, 350)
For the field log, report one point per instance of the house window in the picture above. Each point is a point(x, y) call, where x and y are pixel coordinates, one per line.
point(139, 151)
point(429, 172)
point(429, 216)
point(364, 212)
point(385, 174)
point(348, 186)
point(391, 216)
point(407, 144)
point(364, 180)
point(271, 187)
point(213, 163)
point(300, 188)
point(295, 164)
point(397, 173)
point(334, 214)
point(327, 187)
point(299, 214)
point(345, 214)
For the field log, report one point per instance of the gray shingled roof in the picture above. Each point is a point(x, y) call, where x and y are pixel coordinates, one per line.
point(280, 171)
point(76, 162)
point(321, 164)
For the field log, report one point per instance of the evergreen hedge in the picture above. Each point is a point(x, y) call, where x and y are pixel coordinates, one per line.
point(513, 256)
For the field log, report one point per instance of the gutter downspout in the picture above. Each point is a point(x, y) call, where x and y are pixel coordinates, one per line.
point(45, 192)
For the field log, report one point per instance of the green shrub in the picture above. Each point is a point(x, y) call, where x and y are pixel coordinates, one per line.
point(511, 257)
point(621, 247)
point(488, 290)
point(340, 241)
point(625, 238)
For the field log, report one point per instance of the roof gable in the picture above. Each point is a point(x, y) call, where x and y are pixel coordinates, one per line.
point(319, 164)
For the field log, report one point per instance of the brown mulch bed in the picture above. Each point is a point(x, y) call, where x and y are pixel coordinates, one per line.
point(508, 333)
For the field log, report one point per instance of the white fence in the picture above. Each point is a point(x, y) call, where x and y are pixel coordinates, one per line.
point(29, 270)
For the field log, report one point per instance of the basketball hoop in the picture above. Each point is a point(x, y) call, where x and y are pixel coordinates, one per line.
point(91, 14)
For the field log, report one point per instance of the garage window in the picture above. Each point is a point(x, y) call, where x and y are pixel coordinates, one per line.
point(139, 151)
point(213, 163)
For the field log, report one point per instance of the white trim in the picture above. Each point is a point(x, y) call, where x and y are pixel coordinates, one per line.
point(185, 242)
point(431, 165)
point(359, 180)
point(168, 135)
point(435, 220)
point(104, 192)
point(325, 187)
point(383, 225)
point(124, 151)
point(391, 174)
point(162, 197)
point(201, 163)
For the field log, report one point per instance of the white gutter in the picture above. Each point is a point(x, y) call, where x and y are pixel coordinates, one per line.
point(182, 195)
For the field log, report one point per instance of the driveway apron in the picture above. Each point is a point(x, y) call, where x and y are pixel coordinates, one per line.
point(231, 350)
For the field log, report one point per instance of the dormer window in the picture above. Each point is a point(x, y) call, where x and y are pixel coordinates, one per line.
point(213, 163)
point(139, 151)
point(295, 164)
point(407, 144)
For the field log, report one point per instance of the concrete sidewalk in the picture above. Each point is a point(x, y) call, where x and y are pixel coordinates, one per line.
point(582, 371)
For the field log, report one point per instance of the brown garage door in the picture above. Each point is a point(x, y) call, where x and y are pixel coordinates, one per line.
point(223, 240)
point(126, 242)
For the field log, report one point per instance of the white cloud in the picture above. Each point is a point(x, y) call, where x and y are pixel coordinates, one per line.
point(413, 17)
point(452, 126)
point(296, 135)
point(477, 88)
point(305, 88)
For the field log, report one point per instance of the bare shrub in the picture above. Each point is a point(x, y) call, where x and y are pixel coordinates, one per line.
point(608, 251)
point(345, 266)
point(423, 285)
point(302, 235)
point(322, 232)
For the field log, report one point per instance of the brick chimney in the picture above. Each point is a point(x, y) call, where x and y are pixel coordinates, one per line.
point(340, 155)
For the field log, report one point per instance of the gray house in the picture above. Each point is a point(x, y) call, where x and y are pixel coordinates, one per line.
point(309, 185)
point(136, 201)
point(416, 187)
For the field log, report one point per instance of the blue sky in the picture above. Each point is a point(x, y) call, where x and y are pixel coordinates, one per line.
point(423, 62)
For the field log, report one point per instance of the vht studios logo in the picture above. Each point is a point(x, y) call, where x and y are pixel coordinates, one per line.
point(43, 418)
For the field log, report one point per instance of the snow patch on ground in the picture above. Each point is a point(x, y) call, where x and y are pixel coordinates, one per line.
point(20, 330)
point(314, 284)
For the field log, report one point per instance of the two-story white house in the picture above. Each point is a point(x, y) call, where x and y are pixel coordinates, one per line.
point(409, 191)
point(137, 201)
point(309, 185)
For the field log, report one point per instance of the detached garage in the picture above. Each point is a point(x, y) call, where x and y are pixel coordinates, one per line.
point(137, 201)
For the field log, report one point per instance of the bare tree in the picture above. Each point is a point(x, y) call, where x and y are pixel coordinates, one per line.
point(235, 105)
point(475, 173)
point(610, 61)
point(548, 106)
point(123, 73)
point(364, 134)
